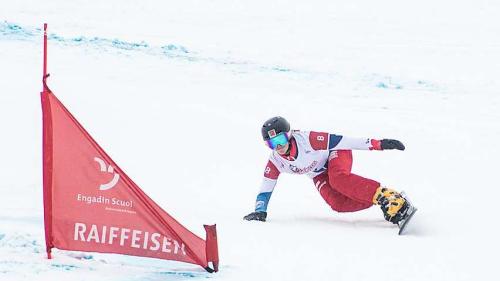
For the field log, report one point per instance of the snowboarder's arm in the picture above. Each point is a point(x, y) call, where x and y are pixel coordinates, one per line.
point(348, 143)
point(337, 142)
point(266, 189)
point(271, 175)
point(264, 195)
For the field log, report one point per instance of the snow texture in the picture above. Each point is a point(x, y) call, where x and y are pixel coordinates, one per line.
point(176, 91)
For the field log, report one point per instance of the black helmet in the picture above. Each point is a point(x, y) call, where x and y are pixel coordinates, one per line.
point(274, 126)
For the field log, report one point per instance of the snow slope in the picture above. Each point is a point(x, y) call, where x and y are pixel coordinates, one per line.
point(176, 91)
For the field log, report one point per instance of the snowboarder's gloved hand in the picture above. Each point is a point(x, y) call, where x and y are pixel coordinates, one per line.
point(256, 216)
point(391, 144)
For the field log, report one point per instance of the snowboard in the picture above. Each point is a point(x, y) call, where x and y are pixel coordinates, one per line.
point(407, 216)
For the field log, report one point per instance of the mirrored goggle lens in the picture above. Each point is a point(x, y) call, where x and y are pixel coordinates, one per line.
point(280, 139)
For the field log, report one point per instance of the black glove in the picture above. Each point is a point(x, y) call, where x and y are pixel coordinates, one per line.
point(256, 216)
point(391, 144)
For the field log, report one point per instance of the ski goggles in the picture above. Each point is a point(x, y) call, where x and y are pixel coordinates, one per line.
point(279, 139)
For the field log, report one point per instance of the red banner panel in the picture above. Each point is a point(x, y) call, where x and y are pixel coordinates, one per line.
point(92, 205)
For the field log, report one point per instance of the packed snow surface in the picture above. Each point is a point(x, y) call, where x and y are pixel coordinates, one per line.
point(176, 92)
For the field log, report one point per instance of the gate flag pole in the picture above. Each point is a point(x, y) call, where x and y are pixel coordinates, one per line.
point(45, 75)
point(47, 152)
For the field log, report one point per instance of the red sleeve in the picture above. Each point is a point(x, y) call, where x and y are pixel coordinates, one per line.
point(376, 145)
point(271, 171)
point(318, 141)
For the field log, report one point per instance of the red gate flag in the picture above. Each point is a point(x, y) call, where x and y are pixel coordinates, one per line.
point(91, 205)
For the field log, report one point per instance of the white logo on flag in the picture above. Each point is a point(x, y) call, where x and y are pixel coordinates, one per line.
point(109, 169)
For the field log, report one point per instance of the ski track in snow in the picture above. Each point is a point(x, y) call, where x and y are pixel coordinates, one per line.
point(13, 31)
point(23, 251)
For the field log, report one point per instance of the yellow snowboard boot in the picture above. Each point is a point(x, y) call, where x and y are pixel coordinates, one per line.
point(391, 202)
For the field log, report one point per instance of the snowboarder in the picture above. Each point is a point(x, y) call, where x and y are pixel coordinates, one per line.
point(327, 159)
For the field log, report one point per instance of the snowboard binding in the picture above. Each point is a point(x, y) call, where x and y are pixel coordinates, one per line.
point(396, 207)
